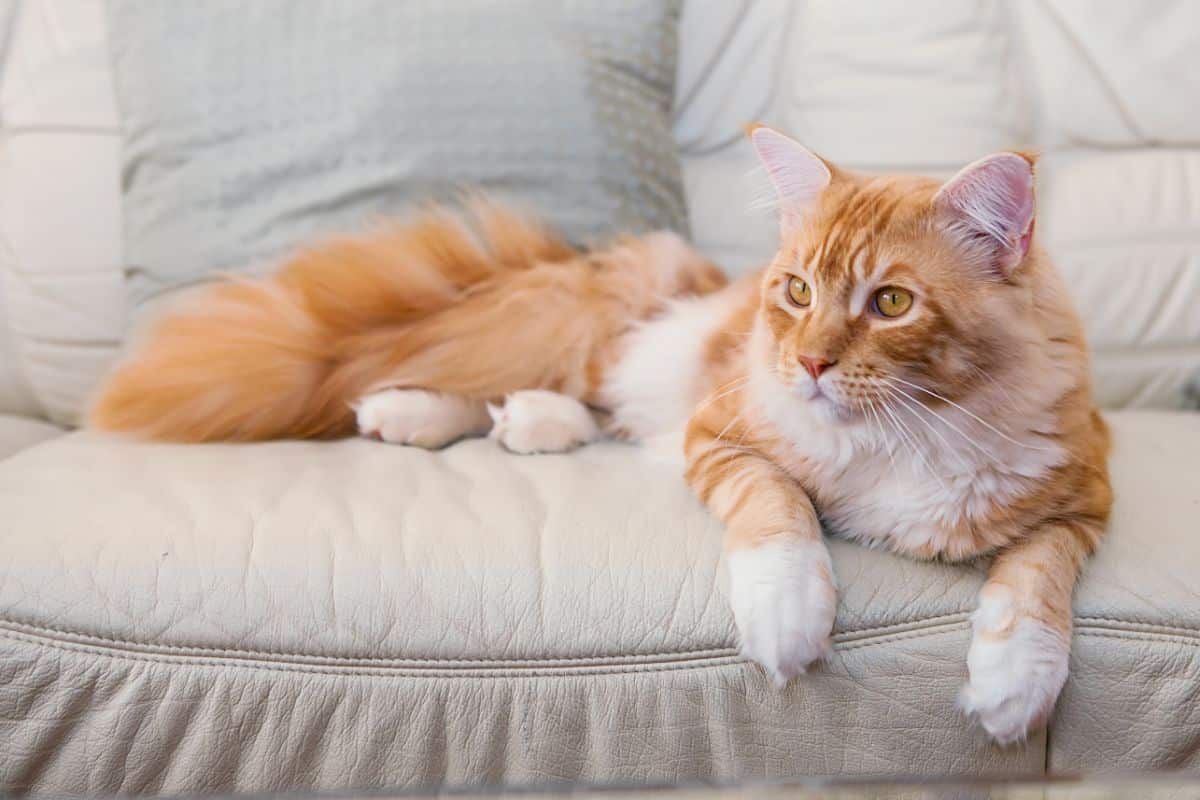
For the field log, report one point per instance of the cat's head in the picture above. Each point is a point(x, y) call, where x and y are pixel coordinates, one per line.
point(892, 286)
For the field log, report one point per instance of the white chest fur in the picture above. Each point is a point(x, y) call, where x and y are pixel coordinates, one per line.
point(659, 379)
point(908, 480)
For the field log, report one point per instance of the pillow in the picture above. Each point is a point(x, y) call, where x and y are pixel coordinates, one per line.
point(253, 128)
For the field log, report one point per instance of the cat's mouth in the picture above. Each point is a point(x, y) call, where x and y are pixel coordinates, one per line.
point(819, 394)
point(824, 396)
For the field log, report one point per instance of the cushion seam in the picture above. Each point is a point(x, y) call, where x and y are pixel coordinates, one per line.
point(845, 640)
point(340, 670)
point(1101, 623)
point(56, 637)
point(720, 661)
point(1141, 636)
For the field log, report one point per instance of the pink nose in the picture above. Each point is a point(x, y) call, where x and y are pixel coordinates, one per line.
point(815, 366)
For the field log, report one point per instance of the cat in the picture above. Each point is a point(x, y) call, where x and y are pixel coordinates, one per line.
point(907, 371)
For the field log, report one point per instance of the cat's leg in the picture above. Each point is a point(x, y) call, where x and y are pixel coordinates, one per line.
point(420, 418)
point(780, 575)
point(1022, 629)
point(538, 421)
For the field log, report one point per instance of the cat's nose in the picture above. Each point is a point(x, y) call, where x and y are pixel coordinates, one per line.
point(815, 366)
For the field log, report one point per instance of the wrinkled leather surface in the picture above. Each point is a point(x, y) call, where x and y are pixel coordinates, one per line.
point(301, 615)
point(355, 550)
point(1133, 700)
point(86, 720)
point(1145, 572)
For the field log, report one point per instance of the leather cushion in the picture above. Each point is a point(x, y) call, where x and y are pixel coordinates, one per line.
point(472, 616)
point(358, 550)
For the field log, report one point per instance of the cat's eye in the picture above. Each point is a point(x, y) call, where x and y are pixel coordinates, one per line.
point(798, 292)
point(892, 301)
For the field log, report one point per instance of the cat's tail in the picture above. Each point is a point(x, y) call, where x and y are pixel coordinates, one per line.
point(478, 305)
point(254, 359)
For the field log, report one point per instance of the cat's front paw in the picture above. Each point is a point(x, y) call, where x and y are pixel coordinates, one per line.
point(1017, 668)
point(784, 603)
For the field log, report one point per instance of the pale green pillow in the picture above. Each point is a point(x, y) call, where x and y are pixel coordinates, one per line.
point(251, 128)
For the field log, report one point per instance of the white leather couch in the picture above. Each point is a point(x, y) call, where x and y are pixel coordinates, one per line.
point(297, 615)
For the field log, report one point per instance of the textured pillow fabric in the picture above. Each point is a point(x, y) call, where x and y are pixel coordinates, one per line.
point(252, 128)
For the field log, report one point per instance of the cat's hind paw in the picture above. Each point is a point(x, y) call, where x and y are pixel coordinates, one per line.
point(418, 417)
point(538, 421)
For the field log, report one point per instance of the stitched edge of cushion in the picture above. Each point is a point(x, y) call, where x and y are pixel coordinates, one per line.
point(447, 666)
point(1110, 623)
point(843, 641)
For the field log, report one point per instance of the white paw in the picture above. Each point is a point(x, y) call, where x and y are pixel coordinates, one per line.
point(537, 421)
point(1016, 671)
point(784, 603)
point(419, 418)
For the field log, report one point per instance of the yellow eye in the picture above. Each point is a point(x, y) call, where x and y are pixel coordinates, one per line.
point(891, 301)
point(798, 292)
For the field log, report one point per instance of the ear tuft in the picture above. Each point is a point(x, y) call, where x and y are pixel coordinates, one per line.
point(798, 175)
point(991, 202)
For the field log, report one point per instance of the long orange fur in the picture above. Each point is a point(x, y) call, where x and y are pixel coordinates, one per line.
point(415, 304)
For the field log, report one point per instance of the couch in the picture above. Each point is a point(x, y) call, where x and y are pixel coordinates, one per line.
point(292, 615)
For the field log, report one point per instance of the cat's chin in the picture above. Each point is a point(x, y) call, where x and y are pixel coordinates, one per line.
point(823, 402)
point(828, 410)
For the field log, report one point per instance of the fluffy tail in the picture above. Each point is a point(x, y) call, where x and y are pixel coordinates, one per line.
point(250, 359)
point(478, 304)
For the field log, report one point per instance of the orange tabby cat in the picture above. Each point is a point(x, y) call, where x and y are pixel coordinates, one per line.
point(908, 365)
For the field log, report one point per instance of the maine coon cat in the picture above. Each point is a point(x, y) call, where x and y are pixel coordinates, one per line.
point(907, 372)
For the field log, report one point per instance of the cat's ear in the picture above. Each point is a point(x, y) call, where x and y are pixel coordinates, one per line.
point(797, 174)
point(990, 204)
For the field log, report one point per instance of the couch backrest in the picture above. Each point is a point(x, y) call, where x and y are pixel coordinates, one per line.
point(61, 286)
point(1107, 92)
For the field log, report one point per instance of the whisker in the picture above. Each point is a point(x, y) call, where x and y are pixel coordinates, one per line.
point(1006, 512)
point(911, 439)
point(941, 418)
point(909, 404)
point(886, 417)
point(729, 425)
point(970, 414)
point(870, 414)
point(1004, 390)
point(740, 381)
point(746, 428)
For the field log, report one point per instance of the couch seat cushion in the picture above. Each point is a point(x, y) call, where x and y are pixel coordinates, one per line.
point(562, 615)
point(356, 550)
